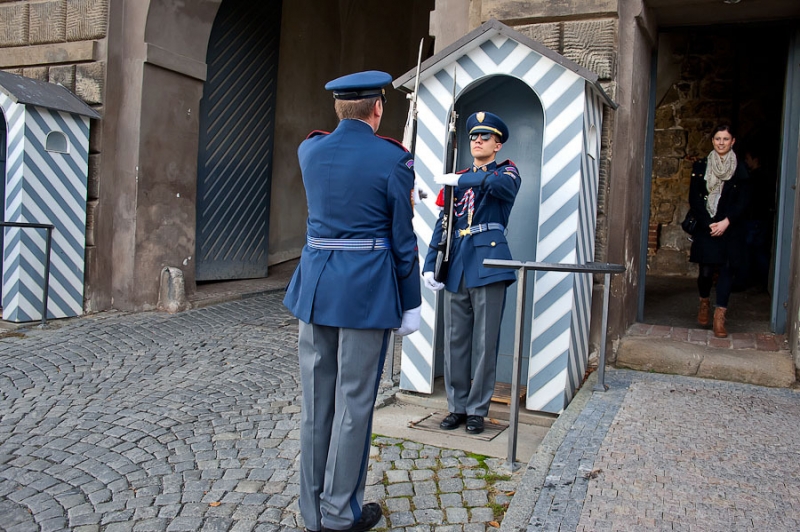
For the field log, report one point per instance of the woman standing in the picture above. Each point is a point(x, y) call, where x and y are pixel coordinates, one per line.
point(718, 197)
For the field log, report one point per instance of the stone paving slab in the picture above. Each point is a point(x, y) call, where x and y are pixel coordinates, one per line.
point(190, 422)
point(663, 452)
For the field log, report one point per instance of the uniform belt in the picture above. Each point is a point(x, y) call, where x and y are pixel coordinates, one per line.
point(480, 228)
point(348, 244)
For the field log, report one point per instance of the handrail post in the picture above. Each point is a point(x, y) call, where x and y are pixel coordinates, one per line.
point(522, 269)
point(46, 287)
point(600, 385)
point(519, 337)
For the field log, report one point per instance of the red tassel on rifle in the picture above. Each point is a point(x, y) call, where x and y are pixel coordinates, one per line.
point(440, 198)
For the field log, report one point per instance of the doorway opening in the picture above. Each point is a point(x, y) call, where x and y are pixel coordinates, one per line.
point(708, 76)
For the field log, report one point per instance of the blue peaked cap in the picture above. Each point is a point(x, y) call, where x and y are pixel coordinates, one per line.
point(368, 84)
point(486, 122)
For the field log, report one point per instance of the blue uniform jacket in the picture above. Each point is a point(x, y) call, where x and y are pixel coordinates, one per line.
point(495, 190)
point(358, 185)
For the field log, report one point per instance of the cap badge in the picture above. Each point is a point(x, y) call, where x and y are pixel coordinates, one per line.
point(480, 116)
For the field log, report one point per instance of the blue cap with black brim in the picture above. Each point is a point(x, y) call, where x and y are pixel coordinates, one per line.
point(360, 85)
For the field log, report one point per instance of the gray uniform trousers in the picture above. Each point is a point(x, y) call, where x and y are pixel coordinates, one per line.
point(472, 319)
point(340, 372)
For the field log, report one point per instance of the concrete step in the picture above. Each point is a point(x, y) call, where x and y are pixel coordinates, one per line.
point(752, 358)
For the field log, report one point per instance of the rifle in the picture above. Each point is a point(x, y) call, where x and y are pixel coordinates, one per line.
point(415, 96)
point(410, 130)
point(442, 266)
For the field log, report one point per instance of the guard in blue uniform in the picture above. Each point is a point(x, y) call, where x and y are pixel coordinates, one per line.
point(475, 295)
point(358, 279)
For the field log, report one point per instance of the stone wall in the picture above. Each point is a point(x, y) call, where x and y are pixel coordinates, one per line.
point(62, 41)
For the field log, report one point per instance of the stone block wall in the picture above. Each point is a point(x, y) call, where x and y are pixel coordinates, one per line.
point(63, 41)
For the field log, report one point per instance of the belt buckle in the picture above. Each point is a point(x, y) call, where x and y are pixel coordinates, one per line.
point(463, 232)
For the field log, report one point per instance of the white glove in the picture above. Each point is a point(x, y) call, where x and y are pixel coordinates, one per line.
point(410, 322)
point(430, 282)
point(418, 193)
point(449, 180)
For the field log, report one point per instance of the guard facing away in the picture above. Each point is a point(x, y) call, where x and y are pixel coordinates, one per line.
point(475, 295)
point(358, 279)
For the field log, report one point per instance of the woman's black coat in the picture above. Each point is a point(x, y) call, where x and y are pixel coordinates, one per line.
point(732, 205)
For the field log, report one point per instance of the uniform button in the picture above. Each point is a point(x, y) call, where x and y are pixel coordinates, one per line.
point(494, 244)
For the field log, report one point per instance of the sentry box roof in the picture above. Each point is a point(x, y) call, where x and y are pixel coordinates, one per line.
point(42, 94)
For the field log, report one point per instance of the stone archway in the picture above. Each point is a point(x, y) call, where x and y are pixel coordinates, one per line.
point(156, 70)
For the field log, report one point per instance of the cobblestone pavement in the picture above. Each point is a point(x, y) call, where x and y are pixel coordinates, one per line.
point(661, 452)
point(189, 422)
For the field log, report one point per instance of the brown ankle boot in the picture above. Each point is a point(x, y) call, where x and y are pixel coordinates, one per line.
point(719, 322)
point(704, 312)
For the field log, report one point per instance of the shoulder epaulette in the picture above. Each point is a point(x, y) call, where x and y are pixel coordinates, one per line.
point(393, 141)
point(507, 162)
point(317, 132)
point(464, 171)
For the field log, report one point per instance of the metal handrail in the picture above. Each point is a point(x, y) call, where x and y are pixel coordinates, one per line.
point(48, 243)
point(522, 269)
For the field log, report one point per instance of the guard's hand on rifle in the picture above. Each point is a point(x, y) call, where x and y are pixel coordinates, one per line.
point(410, 323)
point(448, 180)
point(430, 282)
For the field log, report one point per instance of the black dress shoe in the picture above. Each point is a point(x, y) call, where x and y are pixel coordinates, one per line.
point(452, 421)
point(474, 424)
point(371, 513)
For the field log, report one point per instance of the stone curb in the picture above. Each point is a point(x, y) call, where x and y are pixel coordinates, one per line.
point(762, 368)
point(519, 512)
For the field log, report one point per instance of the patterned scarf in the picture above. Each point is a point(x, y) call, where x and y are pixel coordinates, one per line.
point(718, 170)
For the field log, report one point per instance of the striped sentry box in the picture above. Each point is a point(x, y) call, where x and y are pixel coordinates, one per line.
point(573, 103)
point(44, 186)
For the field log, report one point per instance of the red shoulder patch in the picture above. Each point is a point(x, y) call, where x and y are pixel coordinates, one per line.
point(317, 132)
point(440, 198)
point(393, 141)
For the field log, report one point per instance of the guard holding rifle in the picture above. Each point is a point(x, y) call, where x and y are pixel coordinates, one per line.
point(475, 295)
